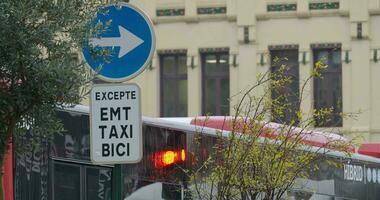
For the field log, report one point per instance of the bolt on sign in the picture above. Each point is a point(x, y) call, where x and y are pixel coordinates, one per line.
point(116, 135)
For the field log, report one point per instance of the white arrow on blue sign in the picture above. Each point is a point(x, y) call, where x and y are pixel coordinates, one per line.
point(130, 39)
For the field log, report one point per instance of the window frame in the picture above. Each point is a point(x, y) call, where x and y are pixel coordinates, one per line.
point(287, 90)
point(337, 121)
point(218, 76)
point(52, 174)
point(176, 77)
point(82, 175)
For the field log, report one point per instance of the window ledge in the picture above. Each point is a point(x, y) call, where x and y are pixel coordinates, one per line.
point(374, 11)
point(338, 130)
point(302, 14)
point(193, 19)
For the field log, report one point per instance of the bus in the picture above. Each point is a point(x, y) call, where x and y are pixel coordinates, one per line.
point(62, 169)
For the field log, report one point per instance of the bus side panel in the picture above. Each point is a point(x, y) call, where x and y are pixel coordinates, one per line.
point(31, 173)
point(8, 174)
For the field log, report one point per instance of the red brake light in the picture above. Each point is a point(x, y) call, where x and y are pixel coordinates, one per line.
point(183, 155)
point(166, 158)
point(169, 157)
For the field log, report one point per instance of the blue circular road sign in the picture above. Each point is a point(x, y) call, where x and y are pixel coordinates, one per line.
point(128, 36)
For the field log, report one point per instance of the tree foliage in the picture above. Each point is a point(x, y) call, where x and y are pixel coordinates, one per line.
point(263, 160)
point(39, 66)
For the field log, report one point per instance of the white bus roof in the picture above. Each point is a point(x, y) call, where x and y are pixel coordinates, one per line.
point(183, 123)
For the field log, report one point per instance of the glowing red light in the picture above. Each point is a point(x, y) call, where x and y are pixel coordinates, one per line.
point(166, 158)
point(183, 155)
point(169, 157)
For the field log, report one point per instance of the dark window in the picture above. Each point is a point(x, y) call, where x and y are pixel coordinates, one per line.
point(158, 140)
point(173, 85)
point(328, 87)
point(151, 173)
point(67, 182)
point(74, 142)
point(285, 97)
point(215, 84)
point(98, 183)
point(81, 182)
point(30, 169)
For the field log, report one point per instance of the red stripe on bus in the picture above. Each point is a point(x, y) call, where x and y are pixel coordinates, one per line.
point(370, 149)
point(8, 174)
point(313, 138)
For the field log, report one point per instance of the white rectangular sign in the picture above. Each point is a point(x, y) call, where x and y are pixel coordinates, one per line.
point(115, 117)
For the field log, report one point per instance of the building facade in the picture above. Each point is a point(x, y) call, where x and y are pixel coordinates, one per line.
point(209, 50)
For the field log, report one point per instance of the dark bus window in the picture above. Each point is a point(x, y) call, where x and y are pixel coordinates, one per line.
point(157, 141)
point(31, 171)
point(74, 142)
point(98, 183)
point(66, 182)
point(81, 182)
point(201, 147)
point(160, 177)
